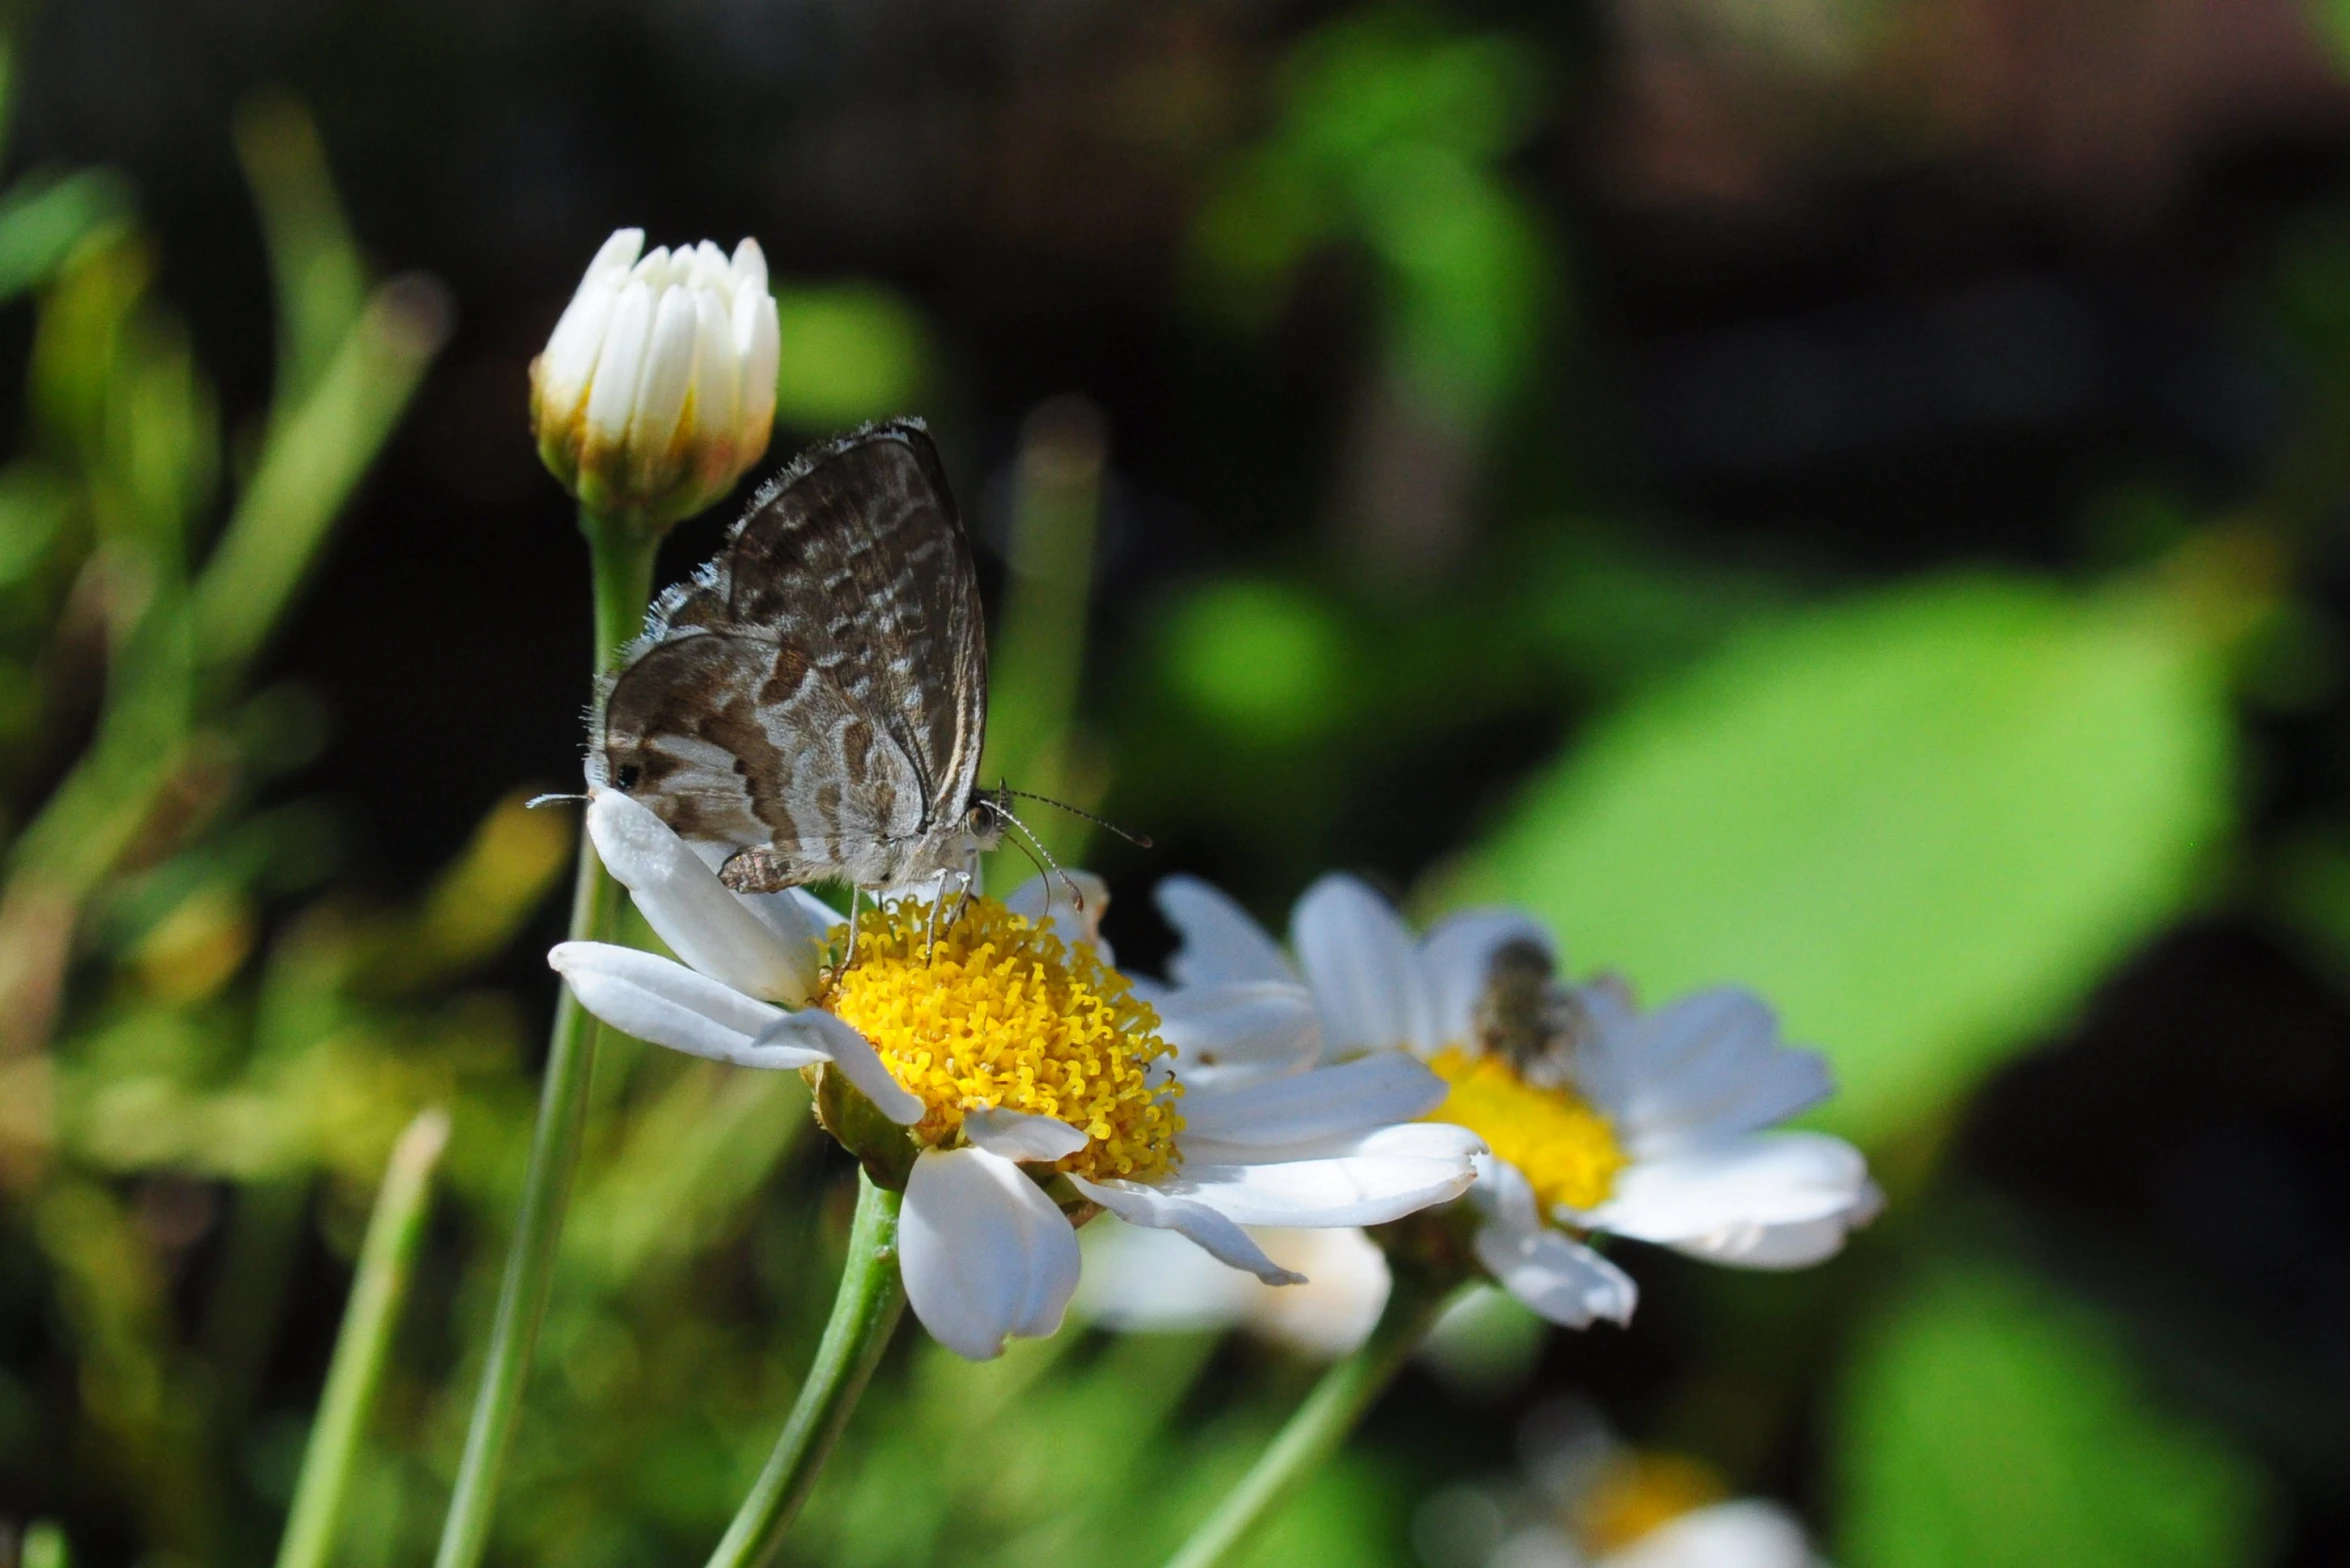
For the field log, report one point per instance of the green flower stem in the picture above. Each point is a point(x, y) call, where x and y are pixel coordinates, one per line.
point(1322, 1423)
point(864, 1310)
point(386, 1259)
point(620, 552)
point(1040, 651)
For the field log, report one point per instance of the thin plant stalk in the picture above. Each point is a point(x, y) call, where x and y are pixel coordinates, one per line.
point(1320, 1426)
point(620, 553)
point(319, 447)
point(386, 1260)
point(864, 1310)
point(1039, 654)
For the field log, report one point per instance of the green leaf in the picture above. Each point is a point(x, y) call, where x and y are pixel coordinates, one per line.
point(1922, 824)
point(35, 504)
point(313, 260)
point(848, 351)
point(1988, 1421)
point(1259, 659)
point(45, 218)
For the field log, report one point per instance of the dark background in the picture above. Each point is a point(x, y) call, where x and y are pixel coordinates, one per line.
point(1839, 297)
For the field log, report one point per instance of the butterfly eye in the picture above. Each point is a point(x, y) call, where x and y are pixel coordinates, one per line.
point(626, 776)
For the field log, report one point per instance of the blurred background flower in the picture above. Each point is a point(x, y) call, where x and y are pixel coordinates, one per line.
point(1839, 498)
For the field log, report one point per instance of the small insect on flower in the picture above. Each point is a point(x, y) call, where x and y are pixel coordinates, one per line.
point(1597, 1117)
point(657, 389)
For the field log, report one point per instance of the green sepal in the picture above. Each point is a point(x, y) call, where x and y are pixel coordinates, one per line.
point(884, 1148)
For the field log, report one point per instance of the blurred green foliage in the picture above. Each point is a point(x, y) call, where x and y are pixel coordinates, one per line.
point(1988, 1421)
point(1389, 140)
point(1263, 660)
point(1923, 825)
point(850, 352)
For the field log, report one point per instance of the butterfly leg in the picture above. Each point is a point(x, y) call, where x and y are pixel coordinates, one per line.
point(938, 896)
point(970, 881)
point(848, 959)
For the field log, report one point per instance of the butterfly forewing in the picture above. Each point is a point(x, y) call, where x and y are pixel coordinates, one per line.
point(817, 694)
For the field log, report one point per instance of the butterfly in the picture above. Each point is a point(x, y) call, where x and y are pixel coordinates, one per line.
point(812, 701)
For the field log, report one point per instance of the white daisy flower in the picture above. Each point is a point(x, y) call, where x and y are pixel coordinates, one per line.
point(1583, 1499)
point(1141, 1281)
point(1028, 1076)
point(1653, 1126)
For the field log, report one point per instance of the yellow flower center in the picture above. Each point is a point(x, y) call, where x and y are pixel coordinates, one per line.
point(1002, 1014)
point(1644, 1492)
point(1566, 1149)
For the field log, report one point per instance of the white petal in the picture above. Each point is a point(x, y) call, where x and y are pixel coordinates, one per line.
point(984, 1253)
point(1708, 1066)
point(758, 348)
point(818, 1032)
point(794, 913)
point(1138, 1203)
point(1793, 1246)
point(750, 266)
point(818, 911)
point(1359, 958)
point(1787, 1178)
point(614, 257)
point(1055, 898)
point(668, 372)
point(665, 1003)
point(683, 900)
point(1239, 1032)
point(803, 921)
point(1504, 1195)
point(709, 271)
point(1385, 1177)
point(1220, 942)
point(1018, 1136)
point(573, 347)
point(1334, 1311)
point(1563, 1280)
point(1743, 1533)
point(717, 388)
point(1143, 1280)
point(1415, 1140)
point(1350, 1097)
point(620, 365)
point(1457, 956)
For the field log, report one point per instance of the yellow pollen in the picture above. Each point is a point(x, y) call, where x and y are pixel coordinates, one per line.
point(1004, 1015)
point(1565, 1148)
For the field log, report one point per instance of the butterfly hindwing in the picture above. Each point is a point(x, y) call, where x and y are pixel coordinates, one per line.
point(858, 550)
point(816, 695)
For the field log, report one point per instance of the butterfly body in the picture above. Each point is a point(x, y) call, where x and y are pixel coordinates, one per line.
point(811, 704)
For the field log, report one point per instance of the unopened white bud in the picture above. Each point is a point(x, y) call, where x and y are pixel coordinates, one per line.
point(657, 388)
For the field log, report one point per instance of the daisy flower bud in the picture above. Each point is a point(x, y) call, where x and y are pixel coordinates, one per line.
point(657, 388)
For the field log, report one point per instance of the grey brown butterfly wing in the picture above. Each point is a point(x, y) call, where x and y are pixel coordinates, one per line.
point(817, 694)
point(735, 740)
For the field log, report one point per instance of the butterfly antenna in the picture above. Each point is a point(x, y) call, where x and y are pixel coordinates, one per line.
point(537, 801)
point(1032, 860)
point(1048, 866)
point(1138, 840)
